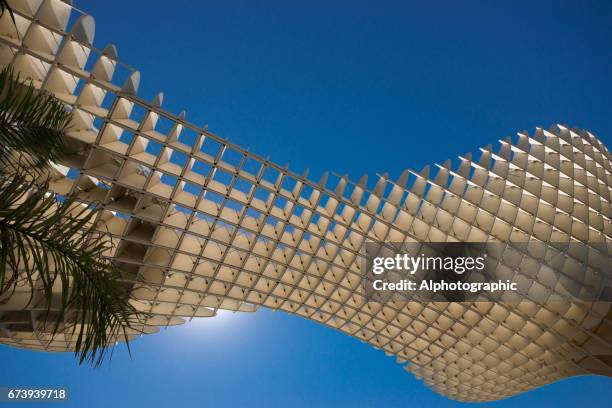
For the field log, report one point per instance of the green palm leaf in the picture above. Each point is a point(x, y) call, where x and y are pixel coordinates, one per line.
point(48, 245)
point(31, 122)
point(43, 242)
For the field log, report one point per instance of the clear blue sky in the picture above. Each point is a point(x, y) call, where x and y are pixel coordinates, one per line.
point(356, 87)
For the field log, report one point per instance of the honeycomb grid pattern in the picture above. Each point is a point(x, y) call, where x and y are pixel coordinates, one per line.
point(201, 224)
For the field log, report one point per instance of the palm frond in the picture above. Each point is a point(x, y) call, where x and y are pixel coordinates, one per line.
point(31, 121)
point(45, 242)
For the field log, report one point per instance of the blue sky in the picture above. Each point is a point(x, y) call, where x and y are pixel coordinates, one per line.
point(354, 87)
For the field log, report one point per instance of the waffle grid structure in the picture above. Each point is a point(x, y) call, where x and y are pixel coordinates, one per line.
point(201, 224)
